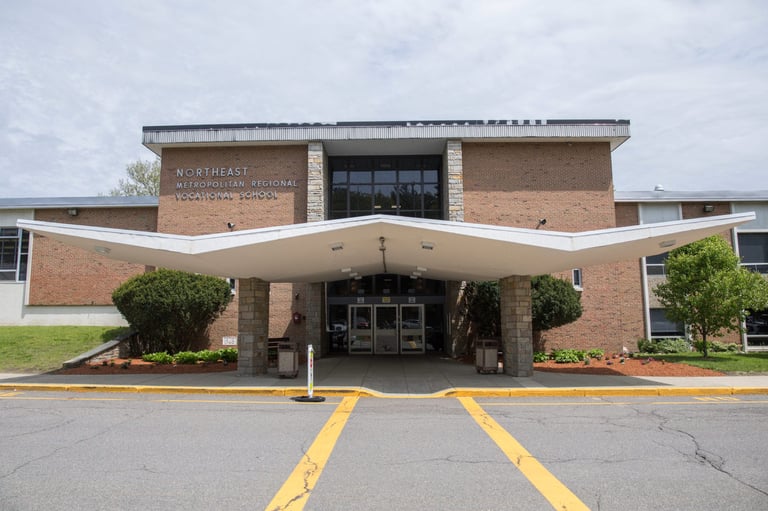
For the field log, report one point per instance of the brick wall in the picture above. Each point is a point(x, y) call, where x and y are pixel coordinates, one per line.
point(517, 184)
point(66, 275)
point(190, 216)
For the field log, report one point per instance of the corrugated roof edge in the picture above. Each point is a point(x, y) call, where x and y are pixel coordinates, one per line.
point(78, 202)
point(267, 125)
point(690, 196)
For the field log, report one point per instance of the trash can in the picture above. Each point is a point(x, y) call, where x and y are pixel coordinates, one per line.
point(287, 360)
point(486, 356)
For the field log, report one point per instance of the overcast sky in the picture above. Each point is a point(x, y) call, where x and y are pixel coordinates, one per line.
point(80, 78)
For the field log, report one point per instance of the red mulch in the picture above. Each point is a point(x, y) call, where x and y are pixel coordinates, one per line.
point(138, 366)
point(630, 367)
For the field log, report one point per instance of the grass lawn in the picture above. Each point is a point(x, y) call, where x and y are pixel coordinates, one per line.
point(29, 349)
point(725, 362)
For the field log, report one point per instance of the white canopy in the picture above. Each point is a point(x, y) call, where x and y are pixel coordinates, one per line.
point(338, 249)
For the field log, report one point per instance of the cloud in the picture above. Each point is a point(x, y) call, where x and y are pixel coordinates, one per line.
point(80, 79)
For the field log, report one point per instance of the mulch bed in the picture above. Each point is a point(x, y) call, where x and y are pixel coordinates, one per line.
point(138, 366)
point(630, 367)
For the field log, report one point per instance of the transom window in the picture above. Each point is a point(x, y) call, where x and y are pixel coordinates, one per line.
point(14, 252)
point(398, 185)
point(753, 250)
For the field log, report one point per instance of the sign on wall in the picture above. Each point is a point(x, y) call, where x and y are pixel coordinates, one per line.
point(226, 183)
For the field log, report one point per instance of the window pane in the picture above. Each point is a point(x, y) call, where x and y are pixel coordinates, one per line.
point(430, 176)
point(410, 176)
point(360, 177)
point(410, 196)
point(661, 326)
point(753, 248)
point(361, 197)
point(385, 176)
point(8, 252)
point(339, 177)
point(431, 197)
point(757, 323)
point(339, 199)
point(384, 198)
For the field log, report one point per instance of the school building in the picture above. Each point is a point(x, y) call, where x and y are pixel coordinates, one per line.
point(359, 237)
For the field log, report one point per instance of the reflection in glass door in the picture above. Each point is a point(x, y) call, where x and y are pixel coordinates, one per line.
point(360, 329)
point(385, 334)
point(412, 329)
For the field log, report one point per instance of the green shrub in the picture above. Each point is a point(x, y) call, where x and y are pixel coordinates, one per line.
point(596, 353)
point(208, 355)
point(567, 356)
point(717, 347)
point(228, 354)
point(672, 346)
point(186, 357)
point(171, 310)
point(540, 356)
point(646, 346)
point(158, 358)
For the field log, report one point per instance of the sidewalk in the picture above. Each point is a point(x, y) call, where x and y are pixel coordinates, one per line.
point(392, 377)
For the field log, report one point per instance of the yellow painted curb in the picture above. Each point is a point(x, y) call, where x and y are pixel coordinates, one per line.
point(364, 392)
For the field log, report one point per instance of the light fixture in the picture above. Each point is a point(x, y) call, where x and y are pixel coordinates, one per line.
point(419, 268)
point(667, 243)
point(542, 221)
point(709, 208)
point(337, 246)
point(72, 211)
point(230, 225)
point(427, 245)
point(102, 250)
point(346, 270)
point(353, 275)
point(417, 274)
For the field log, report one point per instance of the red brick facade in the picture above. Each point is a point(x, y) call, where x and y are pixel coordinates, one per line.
point(252, 168)
point(65, 275)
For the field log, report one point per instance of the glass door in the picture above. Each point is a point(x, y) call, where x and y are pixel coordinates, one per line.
point(412, 329)
point(385, 333)
point(360, 329)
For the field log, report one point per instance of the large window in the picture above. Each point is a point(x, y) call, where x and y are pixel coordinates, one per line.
point(663, 327)
point(402, 185)
point(753, 250)
point(14, 251)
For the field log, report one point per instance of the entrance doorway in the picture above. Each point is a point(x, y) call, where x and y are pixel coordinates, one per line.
point(386, 329)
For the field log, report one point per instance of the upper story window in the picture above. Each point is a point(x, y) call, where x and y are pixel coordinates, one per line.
point(14, 253)
point(396, 185)
point(753, 250)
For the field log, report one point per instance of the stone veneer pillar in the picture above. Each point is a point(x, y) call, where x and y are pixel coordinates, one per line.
point(455, 173)
point(316, 212)
point(456, 340)
point(253, 327)
point(516, 332)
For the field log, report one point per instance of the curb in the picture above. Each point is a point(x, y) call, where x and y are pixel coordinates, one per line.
point(364, 392)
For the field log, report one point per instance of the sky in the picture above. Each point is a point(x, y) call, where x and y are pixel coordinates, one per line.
point(80, 78)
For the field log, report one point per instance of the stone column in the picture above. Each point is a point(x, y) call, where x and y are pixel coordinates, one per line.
point(315, 327)
point(455, 173)
point(516, 333)
point(316, 212)
point(253, 327)
point(316, 200)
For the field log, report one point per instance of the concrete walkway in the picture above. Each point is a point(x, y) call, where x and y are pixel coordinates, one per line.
point(396, 376)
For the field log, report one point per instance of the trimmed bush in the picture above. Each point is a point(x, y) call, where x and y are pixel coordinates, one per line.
point(652, 346)
point(171, 310)
point(158, 358)
point(568, 356)
point(596, 353)
point(540, 356)
point(209, 356)
point(186, 357)
point(228, 354)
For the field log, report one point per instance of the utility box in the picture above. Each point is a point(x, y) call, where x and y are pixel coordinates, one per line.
point(487, 356)
point(287, 360)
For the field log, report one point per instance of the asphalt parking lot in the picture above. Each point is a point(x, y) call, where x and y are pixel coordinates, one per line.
point(175, 451)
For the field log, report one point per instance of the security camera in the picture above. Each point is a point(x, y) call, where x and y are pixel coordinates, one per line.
point(230, 225)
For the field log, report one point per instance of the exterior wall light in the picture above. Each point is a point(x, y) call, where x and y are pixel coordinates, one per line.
point(427, 245)
point(337, 246)
point(709, 208)
point(72, 211)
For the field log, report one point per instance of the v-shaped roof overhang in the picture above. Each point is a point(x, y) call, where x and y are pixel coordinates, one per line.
point(338, 249)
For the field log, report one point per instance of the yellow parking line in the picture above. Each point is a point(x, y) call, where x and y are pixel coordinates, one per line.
point(295, 491)
point(558, 495)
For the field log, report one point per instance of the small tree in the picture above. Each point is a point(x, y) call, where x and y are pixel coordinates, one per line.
point(171, 310)
point(483, 307)
point(143, 179)
point(554, 303)
point(707, 289)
